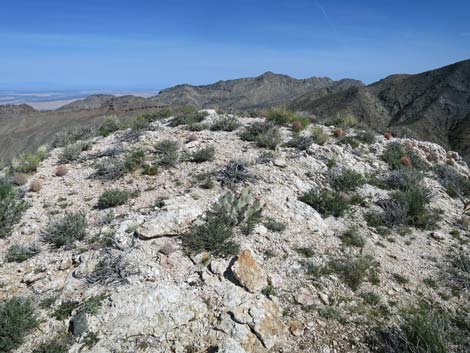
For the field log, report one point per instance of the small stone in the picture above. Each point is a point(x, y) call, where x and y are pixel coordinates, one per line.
point(324, 298)
point(406, 161)
point(218, 267)
point(249, 273)
point(306, 297)
point(281, 163)
point(296, 328)
point(78, 324)
point(260, 229)
point(339, 132)
point(437, 236)
point(65, 264)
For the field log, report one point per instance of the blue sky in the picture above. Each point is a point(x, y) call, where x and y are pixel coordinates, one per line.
point(154, 44)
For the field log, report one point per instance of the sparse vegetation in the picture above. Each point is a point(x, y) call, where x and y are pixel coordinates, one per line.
point(354, 270)
point(300, 142)
point(110, 270)
point(66, 230)
point(345, 120)
point(394, 153)
point(72, 152)
point(274, 226)
point(319, 136)
point(457, 273)
point(225, 123)
point(17, 319)
point(252, 131)
point(188, 117)
point(110, 124)
point(28, 162)
point(351, 237)
point(327, 203)
point(110, 168)
point(347, 180)
point(58, 344)
point(234, 173)
point(204, 154)
point(11, 208)
point(270, 138)
point(168, 153)
point(64, 310)
point(134, 160)
point(21, 253)
point(113, 198)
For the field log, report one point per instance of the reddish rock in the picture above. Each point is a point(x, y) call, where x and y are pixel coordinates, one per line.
point(249, 273)
point(192, 138)
point(406, 161)
point(61, 170)
point(339, 132)
point(388, 135)
point(297, 126)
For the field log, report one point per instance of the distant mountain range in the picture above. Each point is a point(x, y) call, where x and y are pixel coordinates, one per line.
point(434, 105)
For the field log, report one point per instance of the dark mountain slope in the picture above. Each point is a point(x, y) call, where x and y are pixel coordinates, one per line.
point(433, 105)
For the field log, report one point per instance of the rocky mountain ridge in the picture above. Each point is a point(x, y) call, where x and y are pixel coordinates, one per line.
point(205, 234)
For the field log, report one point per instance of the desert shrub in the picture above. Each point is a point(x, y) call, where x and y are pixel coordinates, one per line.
point(29, 162)
point(354, 270)
point(204, 154)
point(327, 203)
point(58, 344)
point(64, 231)
point(305, 252)
point(279, 116)
point(111, 168)
point(347, 180)
point(457, 273)
point(110, 125)
point(113, 198)
point(265, 157)
point(150, 169)
point(270, 138)
point(73, 135)
point(370, 298)
point(203, 180)
point(64, 310)
point(11, 208)
point(300, 142)
point(111, 270)
point(274, 226)
point(134, 160)
point(188, 118)
point(404, 179)
point(225, 123)
point(425, 329)
point(351, 237)
point(395, 151)
point(456, 184)
point(215, 233)
point(349, 140)
point(21, 253)
point(319, 136)
point(235, 172)
point(168, 153)
point(72, 152)
point(345, 120)
point(17, 319)
point(252, 131)
point(367, 137)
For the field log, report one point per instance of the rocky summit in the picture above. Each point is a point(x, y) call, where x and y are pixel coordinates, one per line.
point(207, 232)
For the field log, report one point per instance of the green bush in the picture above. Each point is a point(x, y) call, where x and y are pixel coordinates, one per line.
point(300, 142)
point(29, 162)
point(225, 123)
point(345, 120)
point(72, 152)
point(168, 153)
point(404, 179)
point(270, 138)
point(65, 231)
point(134, 160)
point(11, 208)
point(274, 226)
point(425, 329)
point(367, 137)
point(17, 319)
point(113, 198)
point(109, 168)
point(235, 172)
point(110, 125)
point(59, 344)
point(327, 203)
point(354, 270)
point(319, 136)
point(204, 154)
point(395, 151)
point(21, 253)
point(458, 273)
point(279, 116)
point(64, 310)
point(187, 118)
point(456, 184)
point(351, 237)
point(347, 180)
point(73, 135)
point(252, 131)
